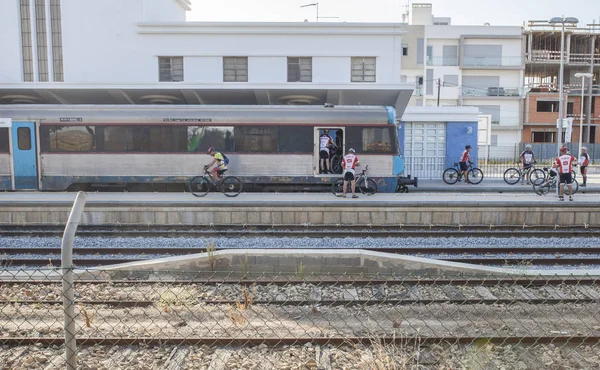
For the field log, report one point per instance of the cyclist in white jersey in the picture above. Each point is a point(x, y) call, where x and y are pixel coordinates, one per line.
point(527, 159)
point(324, 142)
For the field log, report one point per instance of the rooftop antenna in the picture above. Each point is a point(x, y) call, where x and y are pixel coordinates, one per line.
point(406, 12)
point(317, 6)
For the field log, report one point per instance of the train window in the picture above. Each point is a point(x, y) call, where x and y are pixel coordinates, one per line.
point(199, 138)
point(68, 138)
point(115, 138)
point(295, 139)
point(4, 140)
point(256, 139)
point(378, 140)
point(354, 138)
point(24, 138)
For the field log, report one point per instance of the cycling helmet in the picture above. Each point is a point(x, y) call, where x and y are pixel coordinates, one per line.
point(209, 150)
point(583, 148)
point(528, 146)
point(467, 146)
point(564, 149)
point(351, 150)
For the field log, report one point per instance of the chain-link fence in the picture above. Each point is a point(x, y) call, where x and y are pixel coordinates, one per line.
point(183, 320)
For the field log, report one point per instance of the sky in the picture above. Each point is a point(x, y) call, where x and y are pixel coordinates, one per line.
point(462, 12)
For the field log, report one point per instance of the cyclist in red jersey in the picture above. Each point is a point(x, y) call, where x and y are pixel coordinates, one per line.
point(349, 162)
point(464, 158)
point(565, 165)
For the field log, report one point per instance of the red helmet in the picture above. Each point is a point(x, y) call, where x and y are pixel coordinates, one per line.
point(564, 149)
point(209, 150)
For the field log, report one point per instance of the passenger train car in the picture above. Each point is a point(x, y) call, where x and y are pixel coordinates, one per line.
point(156, 147)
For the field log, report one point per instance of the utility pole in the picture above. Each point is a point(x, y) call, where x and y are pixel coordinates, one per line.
point(439, 85)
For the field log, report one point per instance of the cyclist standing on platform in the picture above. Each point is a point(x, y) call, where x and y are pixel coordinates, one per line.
point(527, 159)
point(584, 161)
point(464, 158)
point(565, 166)
point(349, 162)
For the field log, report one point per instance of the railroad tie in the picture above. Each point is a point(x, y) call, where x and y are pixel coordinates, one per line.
point(176, 358)
point(219, 359)
point(454, 294)
point(555, 292)
point(588, 291)
point(525, 293)
point(485, 293)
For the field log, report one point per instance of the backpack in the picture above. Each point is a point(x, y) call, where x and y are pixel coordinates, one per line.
point(225, 159)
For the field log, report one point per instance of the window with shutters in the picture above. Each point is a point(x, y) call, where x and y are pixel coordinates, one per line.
point(363, 69)
point(299, 69)
point(235, 69)
point(170, 69)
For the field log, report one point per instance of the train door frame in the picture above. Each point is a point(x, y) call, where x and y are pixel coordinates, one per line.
point(316, 153)
point(24, 160)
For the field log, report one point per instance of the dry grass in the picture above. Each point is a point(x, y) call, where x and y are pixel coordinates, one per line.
point(236, 313)
point(175, 296)
point(89, 317)
point(211, 249)
point(379, 355)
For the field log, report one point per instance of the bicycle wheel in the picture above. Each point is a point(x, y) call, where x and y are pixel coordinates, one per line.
point(336, 164)
point(536, 175)
point(512, 176)
point(368, 187)
point(573, 174)
point(231, 186)
point(537, 185)
point(337, 187)
point(199, 186)
point(575, 185)
point(475, 176)
point(450, 176)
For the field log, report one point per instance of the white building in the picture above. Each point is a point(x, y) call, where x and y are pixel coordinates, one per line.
point(143, 51)
point(480, 66)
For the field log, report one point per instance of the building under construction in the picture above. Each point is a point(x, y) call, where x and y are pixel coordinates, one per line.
point(542, 64)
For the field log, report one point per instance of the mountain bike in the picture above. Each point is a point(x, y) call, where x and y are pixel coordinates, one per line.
point(453, 174)
point(199, 186)
point(544, 185)
point(514, 175)
point(363, 183)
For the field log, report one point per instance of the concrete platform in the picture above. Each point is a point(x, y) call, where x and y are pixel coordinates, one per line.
point(320, 262)
point(434, 209)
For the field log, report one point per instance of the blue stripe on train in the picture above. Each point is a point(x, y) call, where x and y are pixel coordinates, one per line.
point(5, 183)
point(384, 184)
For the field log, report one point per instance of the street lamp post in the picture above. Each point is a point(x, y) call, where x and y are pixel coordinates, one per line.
point(562, 20)
point(582, 76)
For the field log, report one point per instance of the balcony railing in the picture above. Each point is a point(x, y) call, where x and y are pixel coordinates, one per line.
point(554, 56)
point(442, 61)
point(491, 91)
point(418, 90)
point(515, 61)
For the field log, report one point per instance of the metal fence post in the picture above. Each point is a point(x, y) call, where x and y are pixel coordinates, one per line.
point(67, 279)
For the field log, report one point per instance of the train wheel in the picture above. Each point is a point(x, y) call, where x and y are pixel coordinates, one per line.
point(199, 186)
point(231, 186)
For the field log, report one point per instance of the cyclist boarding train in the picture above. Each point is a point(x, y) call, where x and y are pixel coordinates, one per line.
point(350, 162)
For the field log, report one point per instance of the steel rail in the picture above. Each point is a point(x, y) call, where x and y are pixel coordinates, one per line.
point(336, 341)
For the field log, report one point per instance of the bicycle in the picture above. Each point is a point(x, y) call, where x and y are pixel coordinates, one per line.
point(199, 186)
point(514, 175)
point(453, 174)
point(543, 185)
point(363, 183)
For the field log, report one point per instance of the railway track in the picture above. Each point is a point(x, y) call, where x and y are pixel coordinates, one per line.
point(19, 256)
point(303, 231)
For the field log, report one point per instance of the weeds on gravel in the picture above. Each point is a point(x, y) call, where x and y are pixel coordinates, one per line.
point(211, 249)
point(89, 318)
point(300, 270)
point(244, 266)
point(175, 296)
point(236, 313)
point(381, 356)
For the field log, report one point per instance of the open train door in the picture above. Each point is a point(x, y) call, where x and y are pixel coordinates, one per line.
point(328, 162)
point(24, 156)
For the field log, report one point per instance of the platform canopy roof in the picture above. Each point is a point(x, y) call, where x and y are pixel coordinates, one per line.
point(59, 93)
